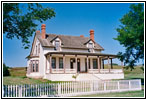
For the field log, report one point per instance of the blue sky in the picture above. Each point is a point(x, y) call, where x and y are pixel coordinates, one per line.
point(75, 19)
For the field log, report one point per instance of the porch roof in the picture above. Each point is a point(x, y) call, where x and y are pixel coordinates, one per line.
point(84, 53)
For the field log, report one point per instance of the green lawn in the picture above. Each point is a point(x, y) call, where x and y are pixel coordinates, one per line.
point(18, 76)
point(118, 94)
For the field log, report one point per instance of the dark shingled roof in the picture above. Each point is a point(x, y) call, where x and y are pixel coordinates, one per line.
point(67, 41)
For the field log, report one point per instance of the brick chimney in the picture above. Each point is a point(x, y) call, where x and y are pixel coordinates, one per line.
point(92, 35)
point(37, 32)
point(81, 35)
point(43, 33)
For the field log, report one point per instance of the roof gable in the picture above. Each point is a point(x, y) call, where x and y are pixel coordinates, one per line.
point(90, 40)
point(67, 41)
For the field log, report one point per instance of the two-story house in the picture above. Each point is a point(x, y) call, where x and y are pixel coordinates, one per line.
point(59, 57)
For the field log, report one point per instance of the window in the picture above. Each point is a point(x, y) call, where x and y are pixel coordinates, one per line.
point(53, 63)
point(57, 45)
point(61, 63)
point(34, 65)
point(95, 64)
point(90, 46)
point(39, 48)
point(36, 49)
point(72, 60)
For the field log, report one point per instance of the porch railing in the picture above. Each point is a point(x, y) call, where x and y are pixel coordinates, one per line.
point(70, 71)
point(92, 71)
point(105, 71)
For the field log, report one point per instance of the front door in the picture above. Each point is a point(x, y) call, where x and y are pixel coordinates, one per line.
point(78, 65)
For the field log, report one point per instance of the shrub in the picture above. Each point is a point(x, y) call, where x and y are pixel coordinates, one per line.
point(5, 70)
point(115, 64)
point(142, 68)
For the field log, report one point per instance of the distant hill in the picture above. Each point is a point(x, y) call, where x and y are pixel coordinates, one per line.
point(18, 71)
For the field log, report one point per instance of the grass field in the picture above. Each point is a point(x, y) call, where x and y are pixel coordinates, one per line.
point(18, 76)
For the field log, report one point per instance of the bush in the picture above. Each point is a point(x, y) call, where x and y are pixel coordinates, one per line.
point(142, 68)
point(5, 70)
point(115, 64)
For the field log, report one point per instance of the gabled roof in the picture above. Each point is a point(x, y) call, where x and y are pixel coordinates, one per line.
point(89, 41)
point(67, 41)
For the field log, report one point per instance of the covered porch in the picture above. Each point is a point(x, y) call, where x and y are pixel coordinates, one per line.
point(78, 62)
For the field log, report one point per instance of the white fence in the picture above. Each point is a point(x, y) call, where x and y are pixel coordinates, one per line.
point(65, 89)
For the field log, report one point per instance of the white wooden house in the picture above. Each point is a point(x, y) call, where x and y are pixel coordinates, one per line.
point(59, 57)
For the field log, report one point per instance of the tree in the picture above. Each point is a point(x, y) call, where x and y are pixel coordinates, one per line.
point(5, 70)
point(19, 20)
point(131, 35)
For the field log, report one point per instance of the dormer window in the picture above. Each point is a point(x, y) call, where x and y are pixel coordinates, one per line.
point(57, 45)
point(90, 46)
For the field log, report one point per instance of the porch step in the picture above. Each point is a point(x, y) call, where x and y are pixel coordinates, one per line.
point(87, 77)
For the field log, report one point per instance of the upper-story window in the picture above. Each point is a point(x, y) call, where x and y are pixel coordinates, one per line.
point(90, 46)
point(36, 50)
point(57, 45)
point(39, 48)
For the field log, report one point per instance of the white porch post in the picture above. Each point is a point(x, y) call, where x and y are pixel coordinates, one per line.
point(50, 57)
point(87, 64)
point(64, 62)
point(91, 64)
point(108, 64)
point(76, 63)
point(98, 63)
point(46, 66)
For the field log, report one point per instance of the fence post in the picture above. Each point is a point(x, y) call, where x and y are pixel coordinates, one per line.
point(118, 85)
point(11, 92)
point(91, 86)
point(3, 91)
point(20, 90)
point(129, 85)
point(104, 86)
point(139, 84)
point(59, 89)
point(16, 91)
